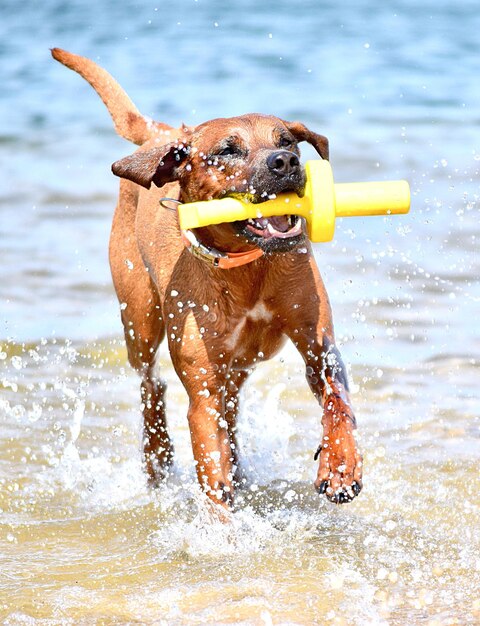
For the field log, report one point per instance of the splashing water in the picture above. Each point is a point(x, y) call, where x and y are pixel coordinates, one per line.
point(82, 532)
point(82, 539)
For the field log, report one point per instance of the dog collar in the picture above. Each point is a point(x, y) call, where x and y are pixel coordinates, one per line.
point(212, 256)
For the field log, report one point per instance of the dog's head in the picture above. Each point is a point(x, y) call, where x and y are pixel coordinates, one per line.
point(253, 155)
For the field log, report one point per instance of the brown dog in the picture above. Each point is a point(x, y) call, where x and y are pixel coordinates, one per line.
point(232, 303)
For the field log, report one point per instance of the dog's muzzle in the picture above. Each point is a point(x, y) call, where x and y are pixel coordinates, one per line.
point(281, 173)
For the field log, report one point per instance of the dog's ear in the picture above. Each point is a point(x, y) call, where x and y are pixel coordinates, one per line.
point(157, 165)
point(302, 133)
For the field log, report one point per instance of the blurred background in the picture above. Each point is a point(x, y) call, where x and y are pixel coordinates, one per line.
point(395, 88)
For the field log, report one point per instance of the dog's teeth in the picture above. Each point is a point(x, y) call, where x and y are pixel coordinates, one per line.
point(256, 223)
point(270, 229)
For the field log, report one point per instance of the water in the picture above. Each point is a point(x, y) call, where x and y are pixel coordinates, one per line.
point(83, 541)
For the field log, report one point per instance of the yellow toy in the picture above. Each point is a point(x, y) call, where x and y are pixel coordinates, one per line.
point(323, 201)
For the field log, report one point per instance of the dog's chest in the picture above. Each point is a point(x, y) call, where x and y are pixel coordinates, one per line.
point(253, 337)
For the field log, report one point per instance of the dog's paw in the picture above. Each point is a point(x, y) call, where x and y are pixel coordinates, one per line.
point(340, 470)
point(157, 466)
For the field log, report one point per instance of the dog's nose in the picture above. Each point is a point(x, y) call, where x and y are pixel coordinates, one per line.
point(283, 162)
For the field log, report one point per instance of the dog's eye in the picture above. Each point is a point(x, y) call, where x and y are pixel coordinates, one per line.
point(285, 142)
point(227, 151)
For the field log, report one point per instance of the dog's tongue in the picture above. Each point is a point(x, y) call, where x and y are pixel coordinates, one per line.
point(279, 223)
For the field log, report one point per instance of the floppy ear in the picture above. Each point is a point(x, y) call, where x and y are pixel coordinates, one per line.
point(302, 133)
point(158, 165)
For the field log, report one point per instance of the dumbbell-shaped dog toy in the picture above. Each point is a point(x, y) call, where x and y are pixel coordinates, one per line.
point(322, 202)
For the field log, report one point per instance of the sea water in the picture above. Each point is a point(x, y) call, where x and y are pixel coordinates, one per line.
point(82, 539)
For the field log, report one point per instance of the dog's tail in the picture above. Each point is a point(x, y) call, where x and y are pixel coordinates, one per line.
point(129, 122)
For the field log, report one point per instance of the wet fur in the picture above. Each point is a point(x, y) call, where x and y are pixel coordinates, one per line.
point(219, 323)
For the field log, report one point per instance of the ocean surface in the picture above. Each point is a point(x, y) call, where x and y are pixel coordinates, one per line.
point(395, 86)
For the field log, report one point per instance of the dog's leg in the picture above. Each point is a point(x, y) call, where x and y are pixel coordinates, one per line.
point(157, 446)
point(311, 330)
point(144, 330)
point(340, 469)
point(142, 342)
point(211, 442)
point(235, 382)
point(205, 384)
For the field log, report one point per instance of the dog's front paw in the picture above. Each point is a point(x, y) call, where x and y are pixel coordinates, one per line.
point(339, 474)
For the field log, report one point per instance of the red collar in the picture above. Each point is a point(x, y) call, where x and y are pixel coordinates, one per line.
point(223, 260)
point(212, 256)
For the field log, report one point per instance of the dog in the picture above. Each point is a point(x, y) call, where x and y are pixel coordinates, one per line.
point(247, 288)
